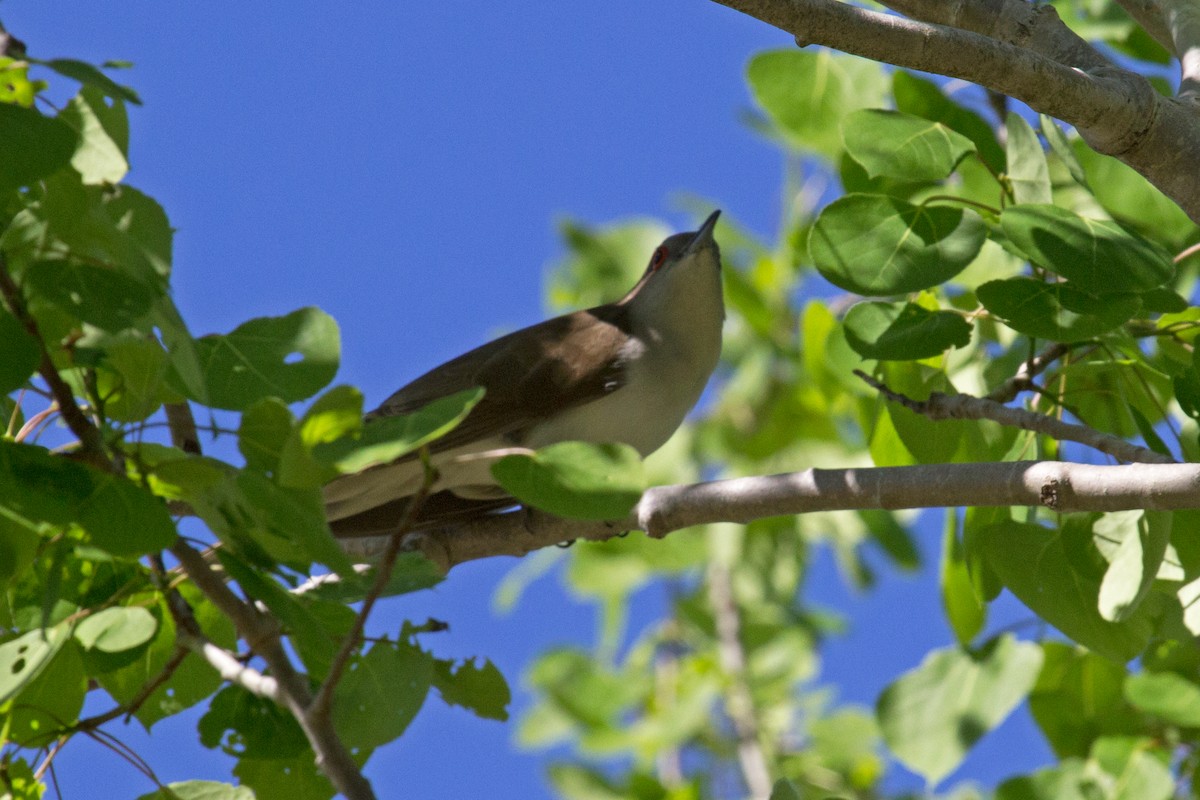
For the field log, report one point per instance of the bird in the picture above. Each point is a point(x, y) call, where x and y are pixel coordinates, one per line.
point(627, 371)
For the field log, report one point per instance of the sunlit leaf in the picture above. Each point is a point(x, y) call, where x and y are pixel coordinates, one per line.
point(902, 146)
point(575, 479)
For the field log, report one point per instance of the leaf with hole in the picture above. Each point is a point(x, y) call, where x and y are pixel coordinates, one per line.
point(289, 357)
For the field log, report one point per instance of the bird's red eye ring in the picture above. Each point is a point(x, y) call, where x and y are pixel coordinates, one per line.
point(659, 257)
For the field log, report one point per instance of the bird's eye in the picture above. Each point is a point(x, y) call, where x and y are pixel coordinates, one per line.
point(659, 258)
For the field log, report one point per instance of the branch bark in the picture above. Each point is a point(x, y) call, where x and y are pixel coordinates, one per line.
point(1057, 485)
point(1116, 111)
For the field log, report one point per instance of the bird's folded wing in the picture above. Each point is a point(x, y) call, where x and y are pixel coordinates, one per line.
point(528, 376)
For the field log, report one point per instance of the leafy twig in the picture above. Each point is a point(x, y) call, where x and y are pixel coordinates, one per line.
point(321, 705)
point(941, 406)
point(88, 434)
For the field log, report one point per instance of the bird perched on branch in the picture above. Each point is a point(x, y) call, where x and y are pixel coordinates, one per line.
point(624, 372)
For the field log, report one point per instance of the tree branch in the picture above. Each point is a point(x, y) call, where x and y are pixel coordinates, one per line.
point(262, 635)
point(1057, 485)
point(230, 668)
point(942, 406)
point(1016, 22)
point(1116, 111)
point(1182, 18)
point(739, 704)
point(1023, 379)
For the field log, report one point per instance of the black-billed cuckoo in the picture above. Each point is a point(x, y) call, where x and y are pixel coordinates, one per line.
point(626, 372)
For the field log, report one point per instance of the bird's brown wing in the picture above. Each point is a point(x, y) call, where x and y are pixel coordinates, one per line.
point(528, 375)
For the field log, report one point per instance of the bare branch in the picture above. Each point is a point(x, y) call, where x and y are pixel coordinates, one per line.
point(1061, 486)
point(1116, 111)
point(230, 668)
point(182, 425)
point(1017, 22)
point(1029, 370)
point(1183, 21)
point(262, 635)
point(941, 406)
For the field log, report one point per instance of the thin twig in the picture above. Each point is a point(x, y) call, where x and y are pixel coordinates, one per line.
point(1007, 391)
point(941, 406)
point(321, 705)
point(739, 703)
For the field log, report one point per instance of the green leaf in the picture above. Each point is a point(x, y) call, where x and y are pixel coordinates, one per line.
point(34, 146)
point(1078, 698)
point(1062, 148)
point(579, 480)
point(482, 690)
point(200, 790)
point(1170, 697)
point(1066, 781)
point(295, 778)
point(1098, 255)
point(1027, 170)
point(384, 439)
point(336, 413)
point(297, 515)
point(263, 432)
point(1162, 300)
point(923, 98)
point(785, 790)
point(98, 295)
point(1132, 199)
point(131, 378)
point(1055, 311)
point(49, 702)
point(1136, 771)
point(113, 630)
point(1134, 565)
point(965, 610)
point(903, 331)
point(877, 245)
point(118, 516)
point(20, 353)
point(898, 145)
point(246, 725)
point(807, 93)
point(1033, 564)
point(22, 659)
point(100, 156)
point(289, 357)
point(393, 675)
point(89, 75)
point(932, 715)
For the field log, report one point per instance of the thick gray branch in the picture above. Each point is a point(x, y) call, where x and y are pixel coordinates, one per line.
point(1017, 22)
point(1149, 15)
point(1116, 111)
point(1061, 486)
point(1183, 22)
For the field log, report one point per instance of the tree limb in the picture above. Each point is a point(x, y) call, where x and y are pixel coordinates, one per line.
point(941, 406)
point(1017, 22)
point(1182, 18)
point(1057, 485)
point(262, 635)
point(1116, 111)
point(1149, 15)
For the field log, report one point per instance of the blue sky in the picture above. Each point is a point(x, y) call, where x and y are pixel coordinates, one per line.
point(402, 165)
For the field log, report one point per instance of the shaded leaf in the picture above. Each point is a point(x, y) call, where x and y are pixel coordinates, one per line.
point(903, 332)
point(34, 146)
point(924, 98)
point(482, 689)
point(393, 675)
point(932, 715)
point(579, 480)
point(1027, 170)
point(19, 353)
point(1098, 255)
point(1055, 311)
